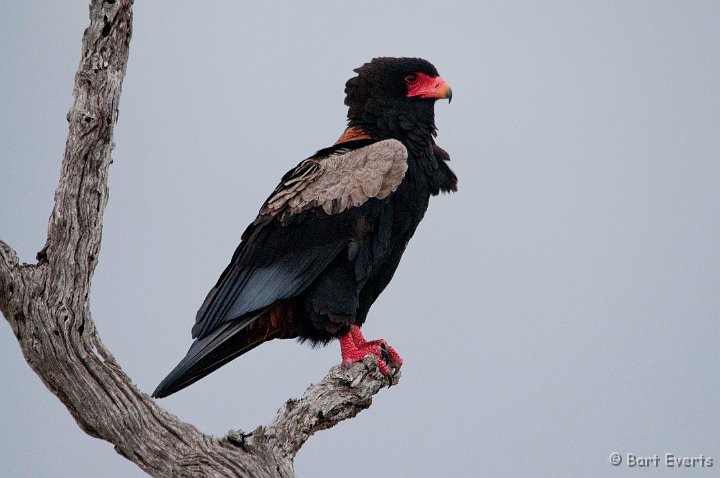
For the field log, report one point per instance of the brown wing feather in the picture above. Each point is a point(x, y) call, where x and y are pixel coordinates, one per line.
point(340, 181)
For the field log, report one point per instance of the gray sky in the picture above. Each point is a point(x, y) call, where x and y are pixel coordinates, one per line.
point(562, 306)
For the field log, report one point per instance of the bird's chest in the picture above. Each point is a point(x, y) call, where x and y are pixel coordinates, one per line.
point(411, 200)
point(381, 236)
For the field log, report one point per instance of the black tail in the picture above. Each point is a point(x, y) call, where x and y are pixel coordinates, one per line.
point(208, 354)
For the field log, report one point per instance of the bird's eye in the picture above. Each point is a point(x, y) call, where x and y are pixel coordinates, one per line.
point(410, 78)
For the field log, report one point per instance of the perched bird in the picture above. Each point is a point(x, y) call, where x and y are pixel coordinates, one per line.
point(329, 238)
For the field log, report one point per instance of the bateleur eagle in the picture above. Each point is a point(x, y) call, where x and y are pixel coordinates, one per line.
point(329, 238)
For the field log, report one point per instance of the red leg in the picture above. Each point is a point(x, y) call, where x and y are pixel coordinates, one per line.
point(357, 336)
point(354, 348)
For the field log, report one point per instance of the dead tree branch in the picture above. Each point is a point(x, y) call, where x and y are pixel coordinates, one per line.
point(46, 305)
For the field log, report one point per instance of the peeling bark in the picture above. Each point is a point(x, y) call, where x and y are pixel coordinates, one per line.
point(46, 305)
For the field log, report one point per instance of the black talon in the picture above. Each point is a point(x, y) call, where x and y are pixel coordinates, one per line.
point(391, 377)
point(384, 353)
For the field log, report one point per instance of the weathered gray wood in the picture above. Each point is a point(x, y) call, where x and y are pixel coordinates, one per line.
point(46, 305)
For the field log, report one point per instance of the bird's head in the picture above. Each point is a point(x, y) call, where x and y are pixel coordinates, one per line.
point(395, 96)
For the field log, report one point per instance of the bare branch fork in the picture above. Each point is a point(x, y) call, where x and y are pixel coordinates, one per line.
point(46, 305)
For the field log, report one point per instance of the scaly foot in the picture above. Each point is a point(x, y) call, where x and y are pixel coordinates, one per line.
point(354, 348)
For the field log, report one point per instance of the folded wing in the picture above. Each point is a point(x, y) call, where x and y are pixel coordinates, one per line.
point(304, 224)
point(290, 243)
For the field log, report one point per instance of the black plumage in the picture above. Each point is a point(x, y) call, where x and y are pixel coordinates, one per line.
point(330, 237)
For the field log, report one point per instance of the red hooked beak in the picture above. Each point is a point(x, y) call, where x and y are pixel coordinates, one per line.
point(426, 86)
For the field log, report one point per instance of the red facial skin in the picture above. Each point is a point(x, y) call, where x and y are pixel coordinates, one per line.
point(426, 86)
